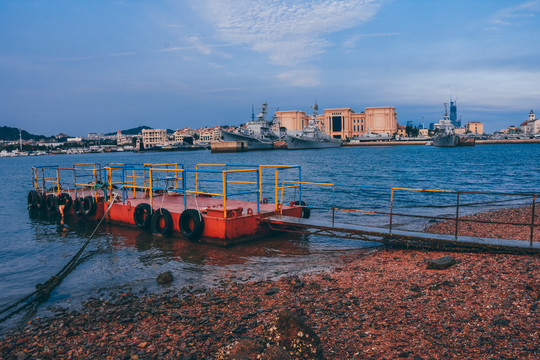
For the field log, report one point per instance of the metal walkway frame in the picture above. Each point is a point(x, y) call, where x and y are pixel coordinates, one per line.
point(388, 236)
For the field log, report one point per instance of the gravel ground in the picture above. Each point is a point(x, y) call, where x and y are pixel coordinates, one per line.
point(521, 215)
point(373, 304)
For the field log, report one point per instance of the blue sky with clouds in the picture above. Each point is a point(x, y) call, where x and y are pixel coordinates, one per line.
point(97, 66)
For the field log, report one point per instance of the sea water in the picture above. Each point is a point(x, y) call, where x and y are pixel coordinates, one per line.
point(35, 246)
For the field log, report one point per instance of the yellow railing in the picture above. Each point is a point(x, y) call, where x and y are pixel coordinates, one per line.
point(297, 185)
point(196, 192)
point(44, 180)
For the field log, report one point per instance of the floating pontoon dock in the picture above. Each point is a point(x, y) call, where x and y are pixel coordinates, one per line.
point(230, 203)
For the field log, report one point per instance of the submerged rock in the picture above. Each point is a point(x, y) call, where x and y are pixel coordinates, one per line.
point(165, 278)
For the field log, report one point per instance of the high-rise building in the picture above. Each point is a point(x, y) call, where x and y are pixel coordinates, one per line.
point(453, 114)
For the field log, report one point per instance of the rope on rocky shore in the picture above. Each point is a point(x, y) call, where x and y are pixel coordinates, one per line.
point(43, 291)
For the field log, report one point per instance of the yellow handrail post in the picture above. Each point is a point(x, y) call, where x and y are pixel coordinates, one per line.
point(225, 194)
point(197, 178)
point(260, 182)
point(134, 193)
point(109, 178)
point(391, 207)
point(176, 177)
point(276, 191)
point(58, 181)
point(151, 190)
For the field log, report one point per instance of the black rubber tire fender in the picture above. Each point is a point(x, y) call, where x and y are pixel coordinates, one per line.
point(191, 224)
point(142, 215)
point(78, 206)
point(63, 199)
point(156, 225)
point(32, 199)
point(41, 203)
point(306, 212)
point(49, 202)
point(89, 205)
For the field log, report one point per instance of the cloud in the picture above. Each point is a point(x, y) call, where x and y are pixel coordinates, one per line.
point(288, 32)
point(506, 16)
point(301, 77)
point(352, 41)
point(206, 50)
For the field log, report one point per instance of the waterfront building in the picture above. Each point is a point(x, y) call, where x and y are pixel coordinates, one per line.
point(208, 135)
point(475, 127)
point(181, 134)
point(401, 131)
point(423, 132)
point(154, 137)
point(122, 139)
point(95, 136)
point(345, 123)
point(531, 126)
point(292, 120)
point(460, 130)
point(512, 129)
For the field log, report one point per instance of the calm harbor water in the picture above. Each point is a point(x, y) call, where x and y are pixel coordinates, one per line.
point(34, 247)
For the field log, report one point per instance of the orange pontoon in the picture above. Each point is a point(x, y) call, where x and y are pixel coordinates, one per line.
point(215, 203)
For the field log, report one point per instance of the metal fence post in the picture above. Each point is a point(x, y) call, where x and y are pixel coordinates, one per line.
point(457, 215)
point(532, 219)
point(391, 207)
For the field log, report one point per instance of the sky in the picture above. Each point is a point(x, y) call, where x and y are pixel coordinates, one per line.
point(78, 66)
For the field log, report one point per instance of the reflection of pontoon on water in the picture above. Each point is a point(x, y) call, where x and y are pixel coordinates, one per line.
point(311, 136)
point(257, 133)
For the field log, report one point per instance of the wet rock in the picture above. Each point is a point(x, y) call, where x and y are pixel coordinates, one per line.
point(295, 336)
point(245, 349)
point(272, 291)
point(165, 278)
point(313, 286)
point(242, 350)
point(441, 263)
point(21, 355)
point(274, 352)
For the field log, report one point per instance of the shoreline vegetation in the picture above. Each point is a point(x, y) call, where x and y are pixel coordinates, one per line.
point(374, 304)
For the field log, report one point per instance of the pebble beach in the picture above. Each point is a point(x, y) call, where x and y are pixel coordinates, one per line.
point(373, 304)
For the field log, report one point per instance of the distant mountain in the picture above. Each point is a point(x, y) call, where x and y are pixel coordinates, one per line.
point(132, 131)
point(11, 134)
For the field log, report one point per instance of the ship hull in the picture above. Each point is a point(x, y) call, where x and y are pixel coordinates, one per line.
point(252, 143)
point(466, 142)
point(295, 143)
point(445, 141)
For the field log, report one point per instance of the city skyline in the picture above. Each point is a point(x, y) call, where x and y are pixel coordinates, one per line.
point(79, 67)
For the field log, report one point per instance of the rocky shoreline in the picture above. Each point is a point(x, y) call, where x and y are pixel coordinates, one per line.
point(373, 304)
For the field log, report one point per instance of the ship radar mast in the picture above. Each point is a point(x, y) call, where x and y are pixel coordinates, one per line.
point(264, 110)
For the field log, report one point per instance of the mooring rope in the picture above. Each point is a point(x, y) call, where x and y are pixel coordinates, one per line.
point(43, 291)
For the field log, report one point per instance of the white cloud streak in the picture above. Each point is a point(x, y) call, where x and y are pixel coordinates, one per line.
point(506, 16)
point(288, 32)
